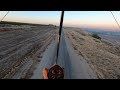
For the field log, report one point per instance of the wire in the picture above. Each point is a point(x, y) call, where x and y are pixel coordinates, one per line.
point(115, 19)
point(4, 16)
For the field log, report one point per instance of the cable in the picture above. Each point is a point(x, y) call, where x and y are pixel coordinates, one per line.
point(59, 36)
point(4, 16)
point(115, 19)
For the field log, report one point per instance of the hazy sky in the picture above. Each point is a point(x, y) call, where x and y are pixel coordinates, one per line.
point(101, 19)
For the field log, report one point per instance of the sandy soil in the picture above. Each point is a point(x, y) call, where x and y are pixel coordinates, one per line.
point(19, 49)
point(102, 56)
point(47, 60)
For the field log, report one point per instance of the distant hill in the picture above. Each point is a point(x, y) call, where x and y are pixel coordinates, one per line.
point(6, 23)
point(102, 32)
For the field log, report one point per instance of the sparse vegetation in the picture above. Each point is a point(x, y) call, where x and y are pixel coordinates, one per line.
point(102, 56)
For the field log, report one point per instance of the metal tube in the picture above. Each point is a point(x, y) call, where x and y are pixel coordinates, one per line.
point(59, 36)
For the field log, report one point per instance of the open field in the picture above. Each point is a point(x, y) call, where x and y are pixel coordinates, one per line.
point(20, 46)
point(103, 57)
point(25, 49)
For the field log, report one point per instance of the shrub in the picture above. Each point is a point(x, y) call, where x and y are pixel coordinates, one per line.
point(96, 36)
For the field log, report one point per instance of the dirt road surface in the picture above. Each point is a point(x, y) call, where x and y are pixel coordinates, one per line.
point(19, 49)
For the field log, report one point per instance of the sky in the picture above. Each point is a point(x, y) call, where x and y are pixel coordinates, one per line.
point(94, 19)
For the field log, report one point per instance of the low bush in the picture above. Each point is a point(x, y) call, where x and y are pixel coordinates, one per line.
point(96, 36)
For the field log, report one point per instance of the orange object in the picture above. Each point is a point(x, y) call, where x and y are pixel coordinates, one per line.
point(55, 72)
point(45, 73)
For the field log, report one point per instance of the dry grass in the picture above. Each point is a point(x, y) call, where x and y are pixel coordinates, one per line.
point(103, 57)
